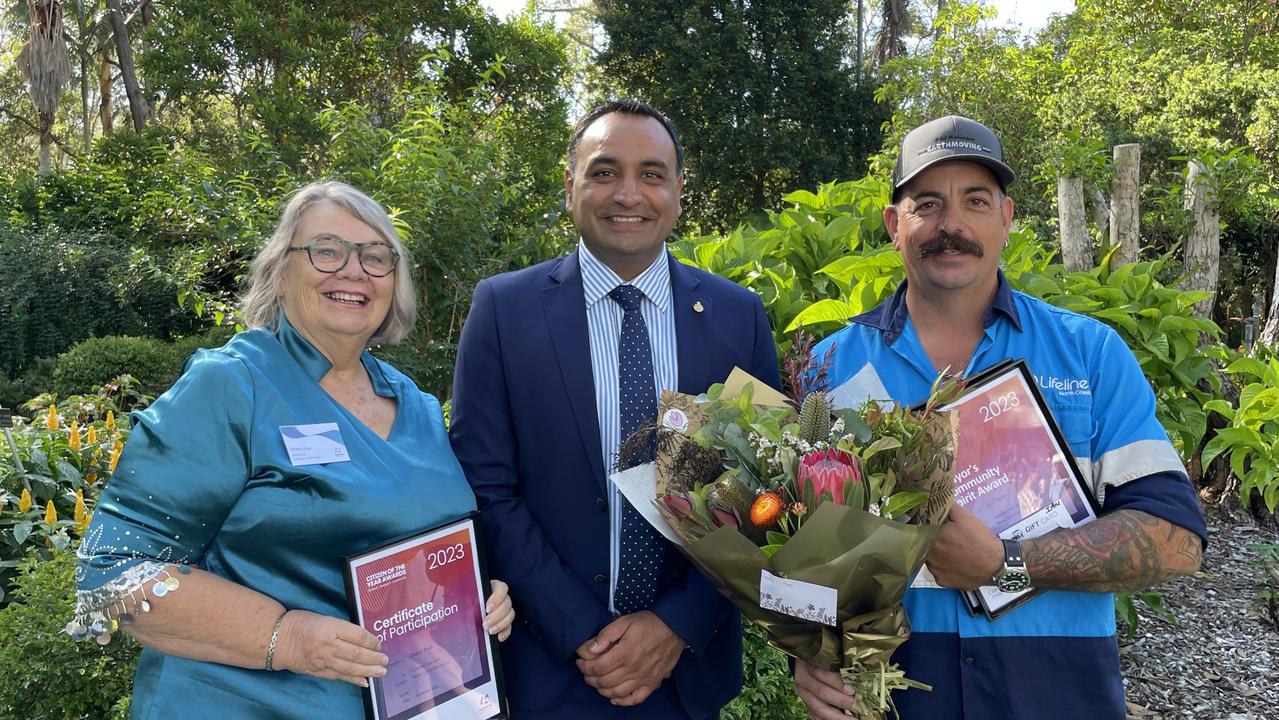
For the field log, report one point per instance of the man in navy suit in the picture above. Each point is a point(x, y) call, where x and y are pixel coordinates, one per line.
point(539, 411)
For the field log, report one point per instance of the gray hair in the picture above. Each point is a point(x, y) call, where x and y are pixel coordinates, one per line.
point(260, 304)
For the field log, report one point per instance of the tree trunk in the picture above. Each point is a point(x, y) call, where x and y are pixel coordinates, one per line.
point(106, 109)
point(46, 143)
point(137, 102)
point(861, 37)
point(46, 66)
point(1076, 246)
point(86, 126)
point(1125, 205)
point(1203, 247)
point(1100, 212)
point(1270, 333)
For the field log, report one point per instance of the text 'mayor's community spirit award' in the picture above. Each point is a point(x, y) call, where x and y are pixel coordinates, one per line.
point(1013, 468)
point(423, 597)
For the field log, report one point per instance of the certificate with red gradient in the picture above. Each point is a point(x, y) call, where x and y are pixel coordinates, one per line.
point(423, 597)
point(1013, 469)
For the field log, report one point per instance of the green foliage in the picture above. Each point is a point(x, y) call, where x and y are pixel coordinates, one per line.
point(1158, 324)
point(22, 386)
point(465, 203)
point(273, 66)
point(58, 287)
point(1126, 608)
point(1266, 567)
point(43, 673)
point(97, 361)
point(762, 93)
point(768, 692)
point(825, 257)
point(51, 473)
point(1251, 439)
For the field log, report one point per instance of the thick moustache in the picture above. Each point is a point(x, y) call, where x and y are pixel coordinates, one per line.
point(945, 241)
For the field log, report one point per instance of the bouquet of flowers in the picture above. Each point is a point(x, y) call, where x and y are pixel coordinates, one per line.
point(811, 521)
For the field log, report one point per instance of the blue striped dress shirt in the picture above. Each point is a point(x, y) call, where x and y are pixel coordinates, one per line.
point(604, 322)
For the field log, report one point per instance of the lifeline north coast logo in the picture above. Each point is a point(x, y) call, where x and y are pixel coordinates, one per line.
point(1068, 387)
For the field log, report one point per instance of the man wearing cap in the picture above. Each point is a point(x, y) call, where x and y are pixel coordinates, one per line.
point(1056, 656)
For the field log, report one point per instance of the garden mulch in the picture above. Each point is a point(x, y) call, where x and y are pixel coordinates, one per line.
point(1220, 660)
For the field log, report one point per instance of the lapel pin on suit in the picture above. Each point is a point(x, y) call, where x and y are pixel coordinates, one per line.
point(697, 306)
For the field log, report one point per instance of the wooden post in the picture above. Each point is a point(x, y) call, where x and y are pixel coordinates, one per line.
point(1125, 206)
point(1076, 246)
point(1100, 212)
point(1203, 247)
point(1270, 332)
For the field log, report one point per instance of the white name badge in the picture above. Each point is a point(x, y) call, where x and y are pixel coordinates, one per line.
point(314, 444)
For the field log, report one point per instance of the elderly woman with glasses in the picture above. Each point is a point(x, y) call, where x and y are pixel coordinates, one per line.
point(217, 544)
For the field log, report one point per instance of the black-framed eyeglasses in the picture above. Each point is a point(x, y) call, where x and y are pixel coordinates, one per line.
point(330, 254)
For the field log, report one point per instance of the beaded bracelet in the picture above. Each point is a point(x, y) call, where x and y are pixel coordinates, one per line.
point(275, 638)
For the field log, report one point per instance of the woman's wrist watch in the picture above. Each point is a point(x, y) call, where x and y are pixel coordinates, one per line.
point(1013, 577)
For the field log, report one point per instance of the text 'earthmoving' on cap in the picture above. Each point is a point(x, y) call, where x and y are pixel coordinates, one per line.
point(950, 138)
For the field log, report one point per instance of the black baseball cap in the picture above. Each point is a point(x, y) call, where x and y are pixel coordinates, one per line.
point(950, 138)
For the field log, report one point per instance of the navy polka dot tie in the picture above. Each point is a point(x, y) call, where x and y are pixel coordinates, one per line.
point(641, 552)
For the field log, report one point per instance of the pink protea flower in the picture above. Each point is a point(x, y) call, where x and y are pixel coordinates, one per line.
point(829, 471)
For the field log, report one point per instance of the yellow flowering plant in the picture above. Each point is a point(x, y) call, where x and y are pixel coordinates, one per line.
point(53, 463)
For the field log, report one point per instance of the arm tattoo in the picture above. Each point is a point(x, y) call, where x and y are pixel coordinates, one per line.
point(1126, 550)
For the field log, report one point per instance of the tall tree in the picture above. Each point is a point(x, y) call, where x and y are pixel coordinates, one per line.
point(764, 94)
point(275, 65)
point(139, 108)
point(46, 66)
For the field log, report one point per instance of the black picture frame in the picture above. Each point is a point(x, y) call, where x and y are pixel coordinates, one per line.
point(986, 600)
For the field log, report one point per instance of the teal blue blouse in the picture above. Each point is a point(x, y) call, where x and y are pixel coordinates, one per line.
point(205, 480)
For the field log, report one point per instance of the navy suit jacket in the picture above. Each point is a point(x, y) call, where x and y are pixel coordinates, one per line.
point(524, 427)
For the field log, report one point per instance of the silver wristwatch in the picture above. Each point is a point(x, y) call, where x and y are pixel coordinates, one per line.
point(1013, 577)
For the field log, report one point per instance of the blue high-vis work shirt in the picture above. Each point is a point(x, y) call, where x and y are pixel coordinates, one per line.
point(205, 479)
point(1056, 657)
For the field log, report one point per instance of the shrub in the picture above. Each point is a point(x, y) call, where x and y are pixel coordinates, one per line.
point(43, 673)
point(51, 475)
point(1251, 440)
point(22, 386)
point(97, 361)
point(768, 692)
point(58, 287)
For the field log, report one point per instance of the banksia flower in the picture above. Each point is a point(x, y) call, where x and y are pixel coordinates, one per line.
point(814, 418)
point(51, 420)
point(24, 502)
point(91, 436)
point(110, 423)
point(84, 524)
point(766, 509)
point(50, 514)
point(79, 507)
point(75, 436)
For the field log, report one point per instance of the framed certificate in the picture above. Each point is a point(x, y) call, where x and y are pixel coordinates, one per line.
point(1014, 469)
point(423, 597)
